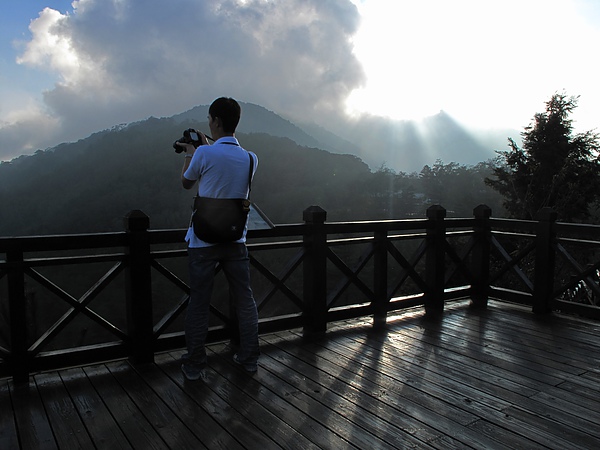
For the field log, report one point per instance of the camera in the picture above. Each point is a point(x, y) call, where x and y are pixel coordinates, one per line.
point(190, 136)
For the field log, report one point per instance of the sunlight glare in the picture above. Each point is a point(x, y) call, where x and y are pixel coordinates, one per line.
point(472, 59)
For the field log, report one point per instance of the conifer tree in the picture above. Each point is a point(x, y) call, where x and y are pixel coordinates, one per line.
point(554, 168)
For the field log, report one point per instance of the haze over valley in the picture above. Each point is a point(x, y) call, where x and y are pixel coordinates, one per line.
point(91, 184)
point(405, 82)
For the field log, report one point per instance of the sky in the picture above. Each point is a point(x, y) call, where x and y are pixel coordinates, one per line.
point(71, 68)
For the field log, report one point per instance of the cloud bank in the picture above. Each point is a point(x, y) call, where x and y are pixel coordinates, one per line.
point(118, 61)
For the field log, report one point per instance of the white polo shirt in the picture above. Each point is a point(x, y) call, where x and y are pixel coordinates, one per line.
point(222, 170)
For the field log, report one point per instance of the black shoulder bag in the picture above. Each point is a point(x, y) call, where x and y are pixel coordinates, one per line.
point(220, 220)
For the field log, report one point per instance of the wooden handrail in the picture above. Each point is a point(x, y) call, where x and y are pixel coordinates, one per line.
point(401, 263)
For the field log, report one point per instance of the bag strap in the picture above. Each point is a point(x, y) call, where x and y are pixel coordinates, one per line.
point(251, 166)
point(250, 174)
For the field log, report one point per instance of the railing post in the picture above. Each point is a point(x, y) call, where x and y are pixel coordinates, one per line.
point(543, 284)
point(315, 272)
point(480, 262)
point(435, 261)
point(380, 279)
point(19, 357)
point(139, 288)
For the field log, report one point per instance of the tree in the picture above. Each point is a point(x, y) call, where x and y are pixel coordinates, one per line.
point(459, 188)
point(553, 169)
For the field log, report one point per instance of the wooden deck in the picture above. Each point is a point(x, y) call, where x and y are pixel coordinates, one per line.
point(500, 378)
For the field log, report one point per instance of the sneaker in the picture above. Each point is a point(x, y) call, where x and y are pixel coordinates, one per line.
point(248, 367)
point(193, 373)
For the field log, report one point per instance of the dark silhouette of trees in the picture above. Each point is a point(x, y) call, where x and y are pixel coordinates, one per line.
point(90, 185)
point(459, 188)
point(555, 168)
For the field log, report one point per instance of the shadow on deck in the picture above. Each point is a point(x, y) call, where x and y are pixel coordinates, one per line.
point(500, 378)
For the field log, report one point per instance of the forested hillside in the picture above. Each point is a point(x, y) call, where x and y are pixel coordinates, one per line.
point(90, 185)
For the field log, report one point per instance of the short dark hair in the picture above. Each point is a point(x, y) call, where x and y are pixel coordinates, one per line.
point(228, 110)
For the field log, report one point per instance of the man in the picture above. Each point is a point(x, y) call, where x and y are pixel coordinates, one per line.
point(222, 171)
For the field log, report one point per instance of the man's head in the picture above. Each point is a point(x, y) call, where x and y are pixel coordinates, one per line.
point(225, 112)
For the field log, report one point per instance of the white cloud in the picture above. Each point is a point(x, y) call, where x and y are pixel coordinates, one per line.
point(51, 48)
point(488, 63)
point(123, 60)
point(23, 130)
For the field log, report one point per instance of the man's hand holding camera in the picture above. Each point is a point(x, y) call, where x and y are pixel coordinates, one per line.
point(191, 140)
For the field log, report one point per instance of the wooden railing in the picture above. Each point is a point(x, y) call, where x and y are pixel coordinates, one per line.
point(76, 299)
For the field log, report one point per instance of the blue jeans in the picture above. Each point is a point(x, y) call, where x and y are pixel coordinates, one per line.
point(235, 263)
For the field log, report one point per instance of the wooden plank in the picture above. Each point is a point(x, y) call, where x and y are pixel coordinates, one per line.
point(426, 342)
point(551, 395)
point(564, 436)
point(386, 362)
point(559, 412)
point(498, 418)
point(224, 413)
point(507, 436)
point(219, 380)
point(461, 385)
point(516, 341)
point(69, 430)
point(336, 412)
point(283, 406)
point(171, 429)
point(8, 430)
point(286, 384)
point(391, 378)
point(583, 389)
point(580, 342)
point(134, 425)
point(566, 323)
point(474, 379)
point(185, 407)
point(593, 375)
point(583, 416)
point(378, 392)
point(417, 350)
point(381, 409)
point(513, 366)
point(524, 332)
point(564, 398)
point(99, 422)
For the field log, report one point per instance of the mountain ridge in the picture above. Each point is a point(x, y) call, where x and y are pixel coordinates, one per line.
point(399, 145)
point(89, 185)
point(255, 119)
point(402, 146)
